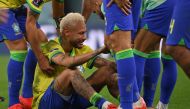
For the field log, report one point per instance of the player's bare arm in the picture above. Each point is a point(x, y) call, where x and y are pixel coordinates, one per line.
point(87, 8)
point(68, 61)
point(58, 11)
point(33, 36)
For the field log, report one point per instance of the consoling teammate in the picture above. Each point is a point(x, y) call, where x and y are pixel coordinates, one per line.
point(12, 33)
point(94, 6)
point(118, 40)
point(66, 88)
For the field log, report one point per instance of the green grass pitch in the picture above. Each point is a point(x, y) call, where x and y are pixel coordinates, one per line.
point(180, 98)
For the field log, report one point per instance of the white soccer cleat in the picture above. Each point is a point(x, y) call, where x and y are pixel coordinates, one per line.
point(161, 105)
point(140, 104)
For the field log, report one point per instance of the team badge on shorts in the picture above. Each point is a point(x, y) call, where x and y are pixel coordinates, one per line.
point(16, 28)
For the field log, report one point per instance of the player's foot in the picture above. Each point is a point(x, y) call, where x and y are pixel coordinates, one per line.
point(108, 105)
point(16, 106)
point(140, 104)
point(2, 99)
point(26, 102)
point(161, 105)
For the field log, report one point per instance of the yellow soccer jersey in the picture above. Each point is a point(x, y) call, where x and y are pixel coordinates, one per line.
point(11, 3)
point(36, 5)
point(42, 81)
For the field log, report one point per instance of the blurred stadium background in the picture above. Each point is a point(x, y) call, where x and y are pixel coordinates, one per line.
point(95, 31)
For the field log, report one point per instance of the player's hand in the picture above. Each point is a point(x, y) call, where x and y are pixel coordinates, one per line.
point(3, 15)
point(97, 9)
point(45, 66)
point(124, 5)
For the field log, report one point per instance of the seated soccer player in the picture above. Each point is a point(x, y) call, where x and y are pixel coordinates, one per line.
point(65, 88)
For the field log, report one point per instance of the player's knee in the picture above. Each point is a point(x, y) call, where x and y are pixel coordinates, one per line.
point(70, 74)
point(108, 71)
point(18, 55)
point(111, 66)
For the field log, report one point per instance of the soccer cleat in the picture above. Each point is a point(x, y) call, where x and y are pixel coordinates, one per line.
point(161, 105)
point(26, 102)
point(140, 104)
point(16, 106)
point(108, 105)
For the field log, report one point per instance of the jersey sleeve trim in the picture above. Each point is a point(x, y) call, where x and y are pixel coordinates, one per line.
point(33, 7)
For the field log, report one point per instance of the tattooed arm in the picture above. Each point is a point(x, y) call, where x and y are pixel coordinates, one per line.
point(68, 61)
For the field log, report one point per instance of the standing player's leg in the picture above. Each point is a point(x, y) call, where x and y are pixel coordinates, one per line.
point(14, 40)
point(29, 69)
point(151, 74)
point(178, 42)
point(118, 29)
point(180, 55)
point(30, 62)
point(144, 44)
point(136, 6)
point(15, 68)
point(120, 43)
point(169, 77)
point(153, 22)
